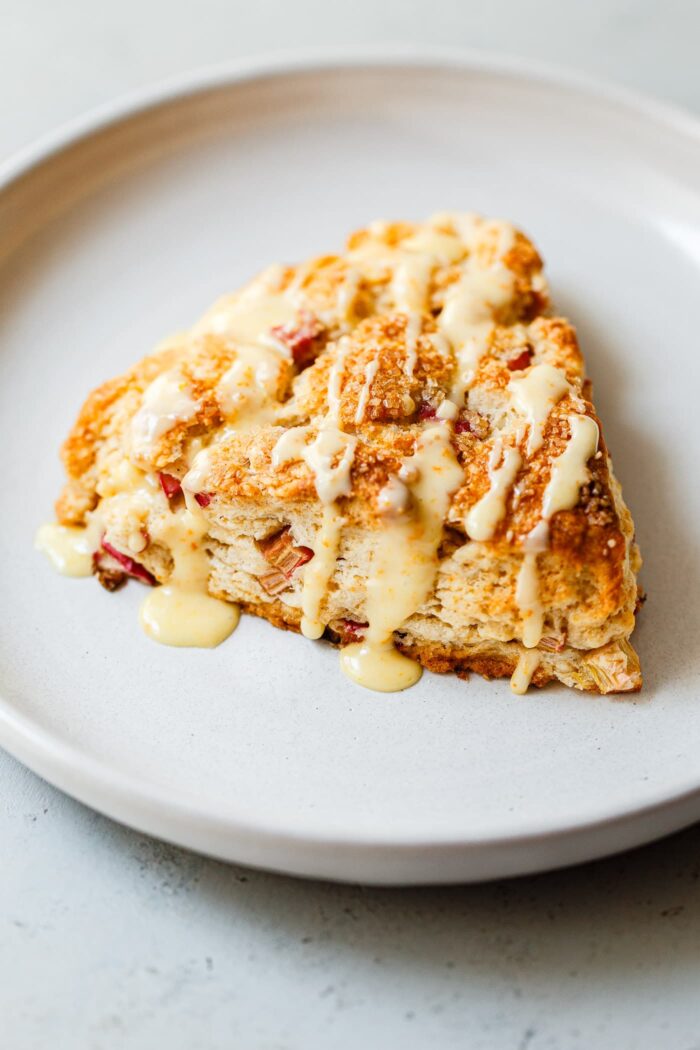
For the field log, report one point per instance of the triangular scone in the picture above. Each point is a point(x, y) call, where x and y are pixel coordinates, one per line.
point(394, 448)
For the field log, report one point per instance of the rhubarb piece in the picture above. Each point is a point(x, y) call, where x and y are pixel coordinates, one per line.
point(615, 668)
point(274, 582)
point(279, 550)
point(130, 566)
point(553, 643)
point(109, 577)
point(353, 630)
point(171, 485)
point(523, 359)
point(203, 498)
point(301, 338)
point(426, 410)
point(471, 422)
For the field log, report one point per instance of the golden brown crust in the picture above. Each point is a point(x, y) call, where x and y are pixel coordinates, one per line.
point(439, 659)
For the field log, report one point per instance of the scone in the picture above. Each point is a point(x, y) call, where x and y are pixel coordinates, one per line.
point(394, 449)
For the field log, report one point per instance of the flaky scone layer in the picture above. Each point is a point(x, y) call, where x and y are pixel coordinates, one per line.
point(417, 328)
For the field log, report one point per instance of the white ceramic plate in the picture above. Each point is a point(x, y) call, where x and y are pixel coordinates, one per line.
point(125, 229)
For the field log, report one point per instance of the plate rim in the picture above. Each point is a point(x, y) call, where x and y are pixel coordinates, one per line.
point(136, 802)
point(275, 64)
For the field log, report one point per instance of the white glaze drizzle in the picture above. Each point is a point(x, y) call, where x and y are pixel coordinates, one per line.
point(195, 479)
point(319, 571)
point(246, 391)
point(379, 667)
point(411, 281)
point(467, 319)
point(290, 446)
point(528, 662)
point(527, 597)
point(404, 565)
point(570, 469)
point(442, 248)
point(485, 515)
point(178, 616)
point(182, 612)
point(447, 410)
point(569, 473)
point(534, 396)
point(166, 402)
point(467, 316)
point(394, 497)
point(537, 539)
point(67, 547)
point(330, 457)
point(248, 316)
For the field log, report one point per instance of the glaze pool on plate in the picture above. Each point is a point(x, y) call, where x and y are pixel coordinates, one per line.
point(258, 751)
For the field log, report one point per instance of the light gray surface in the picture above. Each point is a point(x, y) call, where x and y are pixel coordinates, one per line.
point(111, 940)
